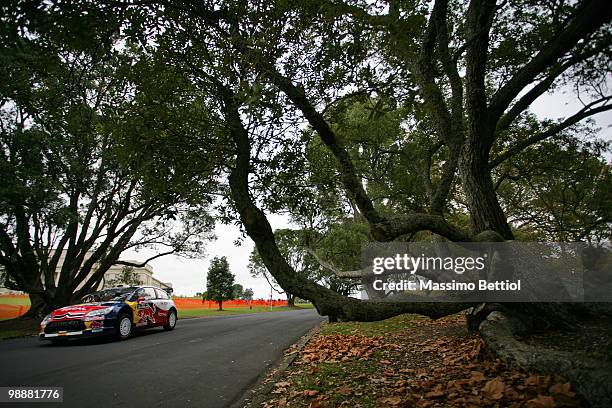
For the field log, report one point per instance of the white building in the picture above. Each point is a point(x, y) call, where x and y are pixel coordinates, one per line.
point(144, 274)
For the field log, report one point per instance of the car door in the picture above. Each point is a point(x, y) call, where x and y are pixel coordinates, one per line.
point(163, 306)
point(146, 307)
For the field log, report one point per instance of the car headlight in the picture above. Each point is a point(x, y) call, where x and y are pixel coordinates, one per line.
point(96, 313)
point(45, 320)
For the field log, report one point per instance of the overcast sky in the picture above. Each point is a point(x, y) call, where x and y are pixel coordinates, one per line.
point(188, 276)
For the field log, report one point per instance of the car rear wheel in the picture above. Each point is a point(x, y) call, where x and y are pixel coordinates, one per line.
point(171, 320)
point(124, 326)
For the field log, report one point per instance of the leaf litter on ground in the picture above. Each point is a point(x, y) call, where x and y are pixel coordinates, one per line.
point(409, 361)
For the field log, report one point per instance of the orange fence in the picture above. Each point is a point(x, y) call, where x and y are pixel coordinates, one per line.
point(12, 311)
point(190, 303)
point(8, 311)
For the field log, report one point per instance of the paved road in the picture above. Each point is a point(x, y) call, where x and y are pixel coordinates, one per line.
point(203, 363)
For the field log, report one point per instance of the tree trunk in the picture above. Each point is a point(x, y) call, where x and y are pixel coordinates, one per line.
point(290, 300)
point(38, 307)
point(485, 211)
point(220, 305)
point(591, 377)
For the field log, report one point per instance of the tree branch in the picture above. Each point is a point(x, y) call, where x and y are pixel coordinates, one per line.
point(552, 131)
point(317, 121)
point(541, 87)
point(258, 228)
point(591, 15)
point(144, 263)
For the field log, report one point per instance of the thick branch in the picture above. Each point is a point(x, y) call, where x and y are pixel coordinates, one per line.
point(383, 229)
point(258, 228)
point(479, 18)
point(591, 15)
point(317, 121)
point(552, 131)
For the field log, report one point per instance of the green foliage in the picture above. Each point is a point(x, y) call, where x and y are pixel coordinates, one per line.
point(238, 291)
point(219, 281)
point(559, 191)
point(248, 294)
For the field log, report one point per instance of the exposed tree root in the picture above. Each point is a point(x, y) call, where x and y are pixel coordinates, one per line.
point(591, 378)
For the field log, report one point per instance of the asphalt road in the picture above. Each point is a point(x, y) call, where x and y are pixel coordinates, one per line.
point(208, 362)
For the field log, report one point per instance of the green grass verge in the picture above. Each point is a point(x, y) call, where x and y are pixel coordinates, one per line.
point(371, 329)
point(189, 313)
point(331, 376)
point(15, 301)
point(10, 328)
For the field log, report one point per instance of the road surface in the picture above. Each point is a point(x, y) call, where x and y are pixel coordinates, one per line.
point(208, 362)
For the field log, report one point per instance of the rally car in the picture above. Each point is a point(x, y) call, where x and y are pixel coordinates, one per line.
point(117, 311)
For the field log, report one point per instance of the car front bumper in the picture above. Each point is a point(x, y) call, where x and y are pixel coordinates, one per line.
point(88, 329)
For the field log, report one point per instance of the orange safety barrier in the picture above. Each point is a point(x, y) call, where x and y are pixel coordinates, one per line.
point(12, 311)
point(190, 303)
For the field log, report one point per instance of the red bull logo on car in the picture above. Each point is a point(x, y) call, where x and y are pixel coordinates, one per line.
point(146, 313)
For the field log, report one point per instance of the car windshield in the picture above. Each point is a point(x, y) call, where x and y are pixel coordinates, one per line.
point(108, 294)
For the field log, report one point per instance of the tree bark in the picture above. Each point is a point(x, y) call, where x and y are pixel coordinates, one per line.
point(590, 377)
point(485, 211)
point(290, 300)
point(38, 307)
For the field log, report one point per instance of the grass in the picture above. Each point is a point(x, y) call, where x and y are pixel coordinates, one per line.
point(351, 381)
point(370, 329)
point(189, 313)
point(15, 300)
point(329, 377)
point(11, 328)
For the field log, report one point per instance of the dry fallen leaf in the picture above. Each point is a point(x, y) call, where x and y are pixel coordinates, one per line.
point(477, 376)
point(562, 389)
point(393, 401)
point(494, 389)
point(542, 401)
point(434, 394)
point(532, 380)
point(282, 384)
point(344, 390)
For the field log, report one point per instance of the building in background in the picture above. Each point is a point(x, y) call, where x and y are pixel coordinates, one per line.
point(144, 274)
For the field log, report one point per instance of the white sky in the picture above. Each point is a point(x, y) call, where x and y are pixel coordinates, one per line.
point(188, 276)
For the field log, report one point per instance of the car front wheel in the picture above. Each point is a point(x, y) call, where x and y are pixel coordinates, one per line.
point(171, 320)
point(124, 327)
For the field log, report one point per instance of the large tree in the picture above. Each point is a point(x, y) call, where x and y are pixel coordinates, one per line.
point(83, 179)
point(465, 74)
point(219, 281)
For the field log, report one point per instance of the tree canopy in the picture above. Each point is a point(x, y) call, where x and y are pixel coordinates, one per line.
point(85, 175)
point(220, 281)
